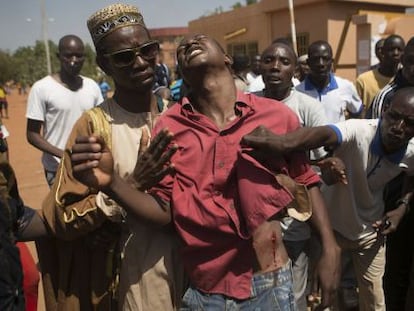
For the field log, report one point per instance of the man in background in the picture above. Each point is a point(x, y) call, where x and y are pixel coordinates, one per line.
point(57, 101)
point(337, 95)
point(369, 83)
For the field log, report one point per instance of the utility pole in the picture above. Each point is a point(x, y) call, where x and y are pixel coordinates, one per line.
point(293, 26)
point(45, 36)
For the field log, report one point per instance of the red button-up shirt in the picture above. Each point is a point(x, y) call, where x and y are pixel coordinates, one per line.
point(218, 197)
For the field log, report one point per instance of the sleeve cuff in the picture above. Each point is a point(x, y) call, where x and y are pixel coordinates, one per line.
point(110, 208)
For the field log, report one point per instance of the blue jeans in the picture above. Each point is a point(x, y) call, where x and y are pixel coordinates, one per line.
point(270, 291)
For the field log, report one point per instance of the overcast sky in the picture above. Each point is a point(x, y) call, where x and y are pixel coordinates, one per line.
point(20, 20)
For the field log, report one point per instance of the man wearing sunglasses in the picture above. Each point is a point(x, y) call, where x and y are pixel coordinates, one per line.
point(109, 259)
point(57, 101)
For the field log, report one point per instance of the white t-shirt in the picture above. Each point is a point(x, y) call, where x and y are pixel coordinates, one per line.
point(339, 96)
point(353, 208)
point(256, 85)
point(59, 108)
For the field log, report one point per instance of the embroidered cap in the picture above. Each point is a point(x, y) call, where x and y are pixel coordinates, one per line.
point(113, 17)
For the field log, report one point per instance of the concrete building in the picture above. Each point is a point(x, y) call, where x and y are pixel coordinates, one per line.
point(351, 26)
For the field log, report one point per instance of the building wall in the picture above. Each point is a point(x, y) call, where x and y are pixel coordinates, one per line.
point(249, 21)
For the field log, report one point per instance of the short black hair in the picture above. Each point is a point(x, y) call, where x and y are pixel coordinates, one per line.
point(319, 43)
point(391, 38)
point(67, 38)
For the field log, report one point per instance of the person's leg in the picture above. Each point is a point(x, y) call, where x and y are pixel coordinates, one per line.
point(347, 292)
point(298, 253)
point(399, 254)
point(50, 178)
point(369, 264)
point(409, 304)
point(6, 109)
point(30, 277)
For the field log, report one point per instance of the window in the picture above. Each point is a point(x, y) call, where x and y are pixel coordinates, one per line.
point(248, 48)
point(302, 41)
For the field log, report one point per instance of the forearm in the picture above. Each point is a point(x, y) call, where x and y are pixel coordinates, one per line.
point(309, 138)
point(37, 140)
point(320, 219)
point(138, 203)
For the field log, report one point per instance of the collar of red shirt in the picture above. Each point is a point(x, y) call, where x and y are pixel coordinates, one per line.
point(242, 105)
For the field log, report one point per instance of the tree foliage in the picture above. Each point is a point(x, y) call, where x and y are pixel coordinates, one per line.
point(237, 5)
point(28, 64)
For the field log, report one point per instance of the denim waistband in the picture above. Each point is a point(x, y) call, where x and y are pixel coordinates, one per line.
point(277, 278)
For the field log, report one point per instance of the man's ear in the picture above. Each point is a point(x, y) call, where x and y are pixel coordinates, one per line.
point(103, 64)
point(228, 59)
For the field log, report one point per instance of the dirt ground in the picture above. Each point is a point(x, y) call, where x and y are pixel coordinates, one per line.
point(25, 160)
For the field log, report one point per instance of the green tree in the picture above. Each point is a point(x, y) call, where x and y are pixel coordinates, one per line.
point(7, 67)
point(237, 5)
point(89, 68)
point(28, 64)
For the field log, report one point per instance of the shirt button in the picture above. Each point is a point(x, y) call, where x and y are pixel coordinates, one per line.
point(221, 164)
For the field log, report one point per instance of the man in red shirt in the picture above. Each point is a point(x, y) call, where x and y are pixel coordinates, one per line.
point(223, 202)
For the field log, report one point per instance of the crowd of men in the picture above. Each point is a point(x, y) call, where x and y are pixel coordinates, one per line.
point(244, 188)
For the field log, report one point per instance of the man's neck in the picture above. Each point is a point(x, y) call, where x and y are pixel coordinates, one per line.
point(278, 93)
point(133, 101)
point(319, 82)
point(215, 97)
point(388, 70)
point(73, 83)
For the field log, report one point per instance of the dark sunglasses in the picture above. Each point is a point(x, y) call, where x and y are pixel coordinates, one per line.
point(127, 57)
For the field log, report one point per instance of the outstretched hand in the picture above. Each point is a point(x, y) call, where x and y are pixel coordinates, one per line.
point(153, 162)
point(92, 162)
point(333, 171)
point(264, 144)
point(261, 139)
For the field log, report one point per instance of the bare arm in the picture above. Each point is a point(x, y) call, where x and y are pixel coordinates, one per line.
point(35, 138)
point(329, 263)
point(300, 140)
point(392, 219)
point(141, 204)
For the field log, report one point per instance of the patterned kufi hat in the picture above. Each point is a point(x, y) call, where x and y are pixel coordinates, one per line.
point(113, 17)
